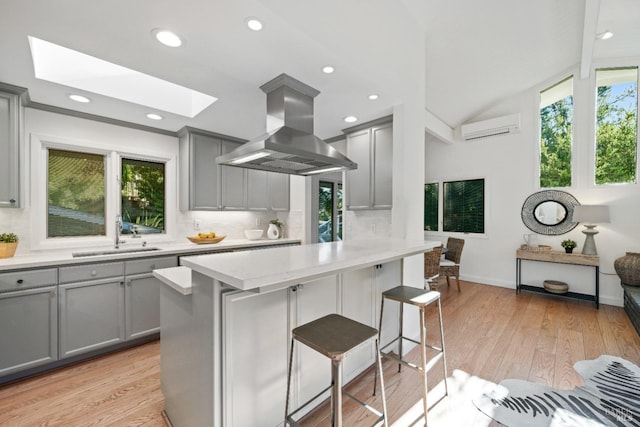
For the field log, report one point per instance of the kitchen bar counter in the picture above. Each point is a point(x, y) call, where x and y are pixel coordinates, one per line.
point(59, 257)
point(224, 346)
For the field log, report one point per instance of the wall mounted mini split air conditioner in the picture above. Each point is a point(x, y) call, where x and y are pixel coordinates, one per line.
point(493, 127)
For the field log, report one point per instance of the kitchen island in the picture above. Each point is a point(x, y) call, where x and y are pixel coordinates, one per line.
point(224, 343)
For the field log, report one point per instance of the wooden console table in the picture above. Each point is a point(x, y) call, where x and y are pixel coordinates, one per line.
point(558, 258)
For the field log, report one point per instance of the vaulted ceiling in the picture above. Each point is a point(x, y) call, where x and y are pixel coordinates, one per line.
point(474, 53)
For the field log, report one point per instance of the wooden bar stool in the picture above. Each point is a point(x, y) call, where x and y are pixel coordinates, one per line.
point(334, 336)
point(421, 299)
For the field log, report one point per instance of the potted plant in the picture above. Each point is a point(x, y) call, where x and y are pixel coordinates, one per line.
point(568, 245)
point(275, 229)
point(8, 245)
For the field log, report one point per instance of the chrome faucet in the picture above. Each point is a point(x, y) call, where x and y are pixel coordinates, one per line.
point(118, 231)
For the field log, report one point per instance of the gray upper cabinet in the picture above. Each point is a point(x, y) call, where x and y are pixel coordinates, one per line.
point(234, 183)
point(370, 186)
point(199, 173)
point(207, 186)
point(278, 191)
point(10, 133)
point(267, 191)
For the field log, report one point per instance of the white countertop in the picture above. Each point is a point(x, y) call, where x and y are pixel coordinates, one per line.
point(55, 258)
point(177, 278)
point(290, 265)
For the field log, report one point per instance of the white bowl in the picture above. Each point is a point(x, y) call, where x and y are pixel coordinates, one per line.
point(253, 234)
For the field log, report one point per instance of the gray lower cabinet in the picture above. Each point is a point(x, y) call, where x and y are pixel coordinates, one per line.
point(91, 305)
point(28, 329)
point(10, 123)
point(142, 296)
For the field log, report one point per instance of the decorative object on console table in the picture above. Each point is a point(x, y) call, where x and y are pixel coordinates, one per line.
point(568, 245)
point(628, 268)
point(590, 215)
point(8, 245)
point(275, 229)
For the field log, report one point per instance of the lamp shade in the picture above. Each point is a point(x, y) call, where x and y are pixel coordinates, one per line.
point(591, 214)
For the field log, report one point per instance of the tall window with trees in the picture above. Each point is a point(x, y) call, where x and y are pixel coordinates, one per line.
point(556, 120)
point(75, 194)
point(431, 206)
point(142, 203)
point(616, 125)
point(330, 198)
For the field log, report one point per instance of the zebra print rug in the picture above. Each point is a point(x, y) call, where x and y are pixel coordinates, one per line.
point(609, 397)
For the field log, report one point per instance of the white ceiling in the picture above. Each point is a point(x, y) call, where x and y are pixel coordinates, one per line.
point(475, 53)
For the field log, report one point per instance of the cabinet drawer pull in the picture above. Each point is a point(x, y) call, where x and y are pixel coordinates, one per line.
point(94, 272)
point(12, 201)
point(19, 281)
point(52, 293)
point(121, 283)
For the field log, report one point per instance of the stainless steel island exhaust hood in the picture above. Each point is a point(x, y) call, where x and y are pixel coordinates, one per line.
point(290, 146)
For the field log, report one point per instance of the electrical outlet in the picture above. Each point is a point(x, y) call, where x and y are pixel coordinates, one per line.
point(196, 224)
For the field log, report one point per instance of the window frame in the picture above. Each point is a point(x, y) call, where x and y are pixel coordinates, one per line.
point(40, 144)
point(487, 205)
point(575, 115)
point(592, 100)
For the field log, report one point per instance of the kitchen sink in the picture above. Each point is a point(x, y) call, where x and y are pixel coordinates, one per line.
point(113, 251)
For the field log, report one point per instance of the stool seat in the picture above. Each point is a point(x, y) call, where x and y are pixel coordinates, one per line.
point(412, 296)
point(333, 335)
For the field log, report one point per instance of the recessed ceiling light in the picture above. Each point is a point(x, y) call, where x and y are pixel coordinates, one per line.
point(350, 119)
point(373, 96)
point(254, 24)
point(154, 116)
point(328, 69)
point(167, 37)
point(604, 35)
point(79, 98)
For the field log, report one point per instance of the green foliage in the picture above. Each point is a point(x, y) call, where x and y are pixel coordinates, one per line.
point(616, 135)
point(431, 207)
point(142, 187)
point(555, 143)
point(8, 238)
point(568, 244)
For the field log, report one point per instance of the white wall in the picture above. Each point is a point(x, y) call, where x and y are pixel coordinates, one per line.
point(509, 166)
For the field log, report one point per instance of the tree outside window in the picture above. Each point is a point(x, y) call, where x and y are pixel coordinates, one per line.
point(616, 125)
point(556, 117)
point(142, 203)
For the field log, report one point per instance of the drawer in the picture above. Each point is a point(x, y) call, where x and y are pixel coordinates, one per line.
point(80, 273)
point(16, 280)
point(146, 265)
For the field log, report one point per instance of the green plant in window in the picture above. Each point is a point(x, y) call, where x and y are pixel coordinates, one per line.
point(555, 144)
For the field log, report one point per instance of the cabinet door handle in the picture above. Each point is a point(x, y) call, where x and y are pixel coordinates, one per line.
point(94, 272)
point(121, 283)
point(19, 281)
point(52, 293)
point(12, 201)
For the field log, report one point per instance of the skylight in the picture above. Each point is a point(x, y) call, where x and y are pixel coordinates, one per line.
point(75, 69)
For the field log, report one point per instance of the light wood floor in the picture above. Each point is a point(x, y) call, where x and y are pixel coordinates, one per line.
point(491, 334)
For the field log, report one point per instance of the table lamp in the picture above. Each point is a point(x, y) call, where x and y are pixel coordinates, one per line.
point(590, 215)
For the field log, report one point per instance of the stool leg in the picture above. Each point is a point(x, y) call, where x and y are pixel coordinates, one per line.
point(336, 393)
point(384, 398)
point(401, 331)
point(444, 354)
point(423, 360)
point(286, 407)
point(375, 372)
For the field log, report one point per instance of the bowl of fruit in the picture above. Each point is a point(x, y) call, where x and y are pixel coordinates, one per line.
point(204, 238)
